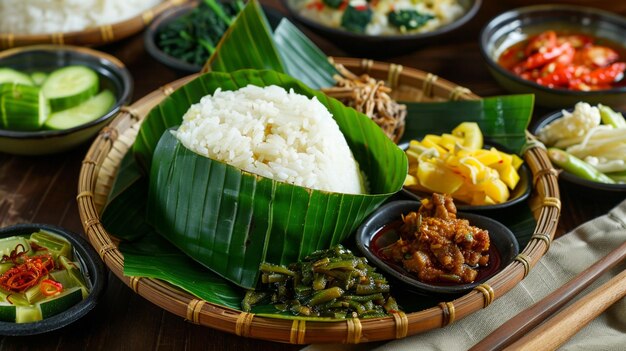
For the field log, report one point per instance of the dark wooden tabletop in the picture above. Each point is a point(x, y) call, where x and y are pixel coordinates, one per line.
point(42, 189)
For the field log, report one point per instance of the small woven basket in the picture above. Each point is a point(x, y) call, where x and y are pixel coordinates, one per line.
point(91, 36)
point(103, 159)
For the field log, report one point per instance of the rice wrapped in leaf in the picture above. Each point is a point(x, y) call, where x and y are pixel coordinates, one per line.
point(231, 220)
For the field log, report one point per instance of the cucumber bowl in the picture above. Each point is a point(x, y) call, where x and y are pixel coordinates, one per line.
point(56, 311)
point(54, 98)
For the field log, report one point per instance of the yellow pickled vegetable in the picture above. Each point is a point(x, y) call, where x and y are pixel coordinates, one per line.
point(456, 164)
point(471, 135)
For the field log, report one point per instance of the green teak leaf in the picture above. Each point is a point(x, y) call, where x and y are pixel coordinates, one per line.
point(247, 43)
point(503, 119)
point(154, 257)
point(124, 214)
point(302, 58)
point(231, 221)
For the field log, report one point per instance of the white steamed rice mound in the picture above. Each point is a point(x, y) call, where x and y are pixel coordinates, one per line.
point(274, 133)
point(53, 16)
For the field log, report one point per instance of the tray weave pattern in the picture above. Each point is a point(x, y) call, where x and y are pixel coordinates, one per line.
point(95, 36)
point(104, 157)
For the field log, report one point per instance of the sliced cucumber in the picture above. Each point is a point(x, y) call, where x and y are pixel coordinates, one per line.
point(60, 302)
point(38, 77)
point(56, 245)
point(70, 86)
point(86, 112)
point(17, 299)
point(9, 244)
point(22, 107)
point(75, 274)
point(62, 276)
point(34, 294)
point(5, 266)
point(7, 312)
point(9, 75)
point(27, 314)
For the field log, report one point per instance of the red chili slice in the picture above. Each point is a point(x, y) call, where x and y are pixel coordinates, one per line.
point(50, 287)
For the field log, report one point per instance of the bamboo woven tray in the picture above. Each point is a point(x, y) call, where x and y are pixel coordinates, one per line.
point(103, 158)
point(91, 36)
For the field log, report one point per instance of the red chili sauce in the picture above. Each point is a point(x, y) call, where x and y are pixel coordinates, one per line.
point(567, 60)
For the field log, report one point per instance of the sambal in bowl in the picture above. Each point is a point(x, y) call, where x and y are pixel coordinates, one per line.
point(433, 249)
point(561, 53)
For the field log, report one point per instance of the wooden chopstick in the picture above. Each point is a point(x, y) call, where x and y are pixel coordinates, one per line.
point(558, 329)
point(526, 320)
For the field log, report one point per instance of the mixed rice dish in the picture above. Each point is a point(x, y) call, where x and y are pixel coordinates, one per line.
point(382, 17)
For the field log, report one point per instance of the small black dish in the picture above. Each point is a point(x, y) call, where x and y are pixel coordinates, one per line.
point(519, 194)
point(518, 24)
point(181, 66)
point(114, 76)
point(501, 238)
point(569, 177)
point(91, 267)
point(154, 51)
point(382, 45)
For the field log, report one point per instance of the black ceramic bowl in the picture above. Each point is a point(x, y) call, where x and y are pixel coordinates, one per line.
point(519, 194)
point(154, 51)
point(181, 66)
point(381, 45)
point(113, 76)
point(501, 238)
point(92, 269)
point(569, 177)
point(517, 25)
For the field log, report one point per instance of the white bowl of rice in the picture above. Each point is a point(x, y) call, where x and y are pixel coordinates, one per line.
point(75, 22)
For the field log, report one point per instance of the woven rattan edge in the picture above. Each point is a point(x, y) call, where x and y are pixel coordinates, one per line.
point(398, 325)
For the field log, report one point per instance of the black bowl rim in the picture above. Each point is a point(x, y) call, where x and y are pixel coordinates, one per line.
point(104, 59)
point(471, 12)
point(97, 277)
point(165, 18)
point(569, 177)
point(361, 234)
point(556, 9)
point(151, 31)
point(524, 172)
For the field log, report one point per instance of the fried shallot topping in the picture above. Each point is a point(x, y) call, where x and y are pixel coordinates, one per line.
point(370, 97)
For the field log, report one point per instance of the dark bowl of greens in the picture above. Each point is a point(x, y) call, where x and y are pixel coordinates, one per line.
point(62, 294)
point(184, 37)
point(381, 29)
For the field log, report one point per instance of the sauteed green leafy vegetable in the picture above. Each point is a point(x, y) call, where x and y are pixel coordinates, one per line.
point(193, 37)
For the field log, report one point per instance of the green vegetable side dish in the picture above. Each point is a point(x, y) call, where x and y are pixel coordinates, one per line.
point(329, 283)
point(589, 142)
point(38, 277)
point(408, 19)
point(192, 38)
point(64, 98)
point(381, 17)
point(576, 166)
point(356, 18)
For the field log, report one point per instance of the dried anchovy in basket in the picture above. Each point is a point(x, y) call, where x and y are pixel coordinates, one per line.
point(328, 283)
point(371, 97)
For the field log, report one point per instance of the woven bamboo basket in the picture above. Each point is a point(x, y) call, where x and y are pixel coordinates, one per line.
point(91, 36)
point(103, 158)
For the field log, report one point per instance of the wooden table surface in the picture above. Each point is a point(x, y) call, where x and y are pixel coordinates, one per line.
point(43, 189)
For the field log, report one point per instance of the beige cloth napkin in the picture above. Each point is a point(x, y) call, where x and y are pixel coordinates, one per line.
point(567, 257)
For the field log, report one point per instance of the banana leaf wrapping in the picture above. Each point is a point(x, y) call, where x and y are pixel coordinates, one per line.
point(230, 220)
